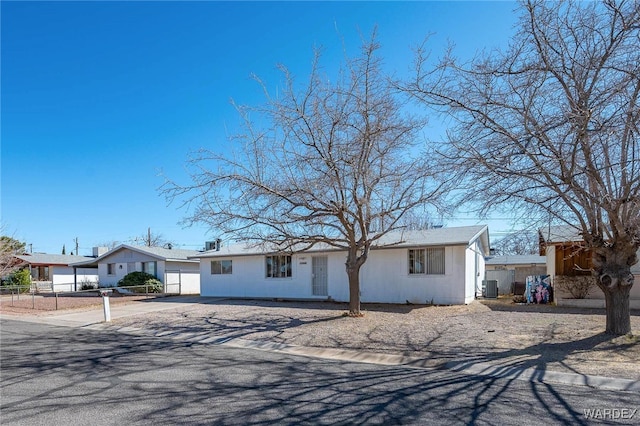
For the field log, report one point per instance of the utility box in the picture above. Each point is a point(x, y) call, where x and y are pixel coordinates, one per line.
point(490, 289)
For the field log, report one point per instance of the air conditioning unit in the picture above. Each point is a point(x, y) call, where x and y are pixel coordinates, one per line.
point(213, 245)
point(490, 289)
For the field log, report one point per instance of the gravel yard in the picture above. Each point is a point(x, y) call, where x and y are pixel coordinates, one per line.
point(497, 331)
point(546, 337)
point(44, 304)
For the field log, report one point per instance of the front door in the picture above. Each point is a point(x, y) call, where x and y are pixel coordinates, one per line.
point(320, 273)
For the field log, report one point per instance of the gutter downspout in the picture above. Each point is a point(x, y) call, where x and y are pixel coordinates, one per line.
point(475, 274)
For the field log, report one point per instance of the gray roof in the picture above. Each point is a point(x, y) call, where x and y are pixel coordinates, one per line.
point(157, 252)
point(464, 235)
point(52, 259)
point(561, 234)
point(516, 260)
point(163, 253)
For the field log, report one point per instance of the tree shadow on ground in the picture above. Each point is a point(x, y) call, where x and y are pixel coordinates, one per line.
point(508, 306)
point(321, 304)
point(104, 378)
point(439, 348)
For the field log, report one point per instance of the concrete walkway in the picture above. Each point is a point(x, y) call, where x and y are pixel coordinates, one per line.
point(94, 320)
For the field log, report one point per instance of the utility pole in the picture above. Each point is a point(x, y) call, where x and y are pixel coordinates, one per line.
point(149, 236)
point(76, 240)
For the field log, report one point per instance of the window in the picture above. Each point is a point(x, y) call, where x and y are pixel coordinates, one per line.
point(150, 268)
point(111, 268)
point(429, 261)
point(220, 267)
point(40, 273)
point(278, 266)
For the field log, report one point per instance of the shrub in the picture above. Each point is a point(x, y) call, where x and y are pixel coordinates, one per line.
point(21, 279)
point(139, 280)
point(578, 287)
point(518, 298)
point(87, 284)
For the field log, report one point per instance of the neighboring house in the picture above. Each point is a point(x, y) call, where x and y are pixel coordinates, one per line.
point(171, 266)
point(442, 266)
point(566, 255)
point(54, 271)
point(512, 269)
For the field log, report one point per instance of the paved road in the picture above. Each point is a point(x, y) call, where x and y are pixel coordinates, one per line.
point(67, 376)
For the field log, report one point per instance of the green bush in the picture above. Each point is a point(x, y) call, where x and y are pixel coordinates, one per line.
point(87, 284)
point(21, 279)
point(139, 280)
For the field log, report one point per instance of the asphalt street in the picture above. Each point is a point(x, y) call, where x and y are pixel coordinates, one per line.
point(67, 376)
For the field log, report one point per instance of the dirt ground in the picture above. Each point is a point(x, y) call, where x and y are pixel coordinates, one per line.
point(44, 304)
point(546, 337)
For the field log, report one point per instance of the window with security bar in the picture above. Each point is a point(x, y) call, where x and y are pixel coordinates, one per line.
point(426, 261)
point(278, 266)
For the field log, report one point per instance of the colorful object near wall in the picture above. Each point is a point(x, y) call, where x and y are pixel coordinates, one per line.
point(538, 289)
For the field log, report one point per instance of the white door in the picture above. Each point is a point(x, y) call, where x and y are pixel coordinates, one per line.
point(320, 273)
point(172, 282)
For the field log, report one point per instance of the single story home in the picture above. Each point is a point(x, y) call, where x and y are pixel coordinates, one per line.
point(53, 272)
point(172, 267)
point(511, 269)
point(567, 256)
point(441, 266)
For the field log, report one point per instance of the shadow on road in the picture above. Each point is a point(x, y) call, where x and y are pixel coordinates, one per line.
point(167, 382)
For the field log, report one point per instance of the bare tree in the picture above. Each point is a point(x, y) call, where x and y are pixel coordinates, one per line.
point(417, 221)
point(331, 163)
point(9, 247)
point(553, 122)
point(151, 239)
point(517, 243)
point(108, 244)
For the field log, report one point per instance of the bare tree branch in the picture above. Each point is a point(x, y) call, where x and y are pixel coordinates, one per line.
point(553, 123)
point(327, 162)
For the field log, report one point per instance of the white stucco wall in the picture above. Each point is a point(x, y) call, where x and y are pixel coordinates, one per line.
point(122, 259)
point(126, 261)
point(384, 278)
point(63, 277)
point(61, 274)
point(107, 280)
point(474, 272)
point(182, 276)
point(551, 260)
point(86, 274)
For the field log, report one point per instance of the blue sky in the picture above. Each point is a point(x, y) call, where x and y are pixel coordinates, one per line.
point(99, 97)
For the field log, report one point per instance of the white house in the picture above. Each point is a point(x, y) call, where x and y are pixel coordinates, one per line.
point(54, 271)
point(566, 255)
point(442, 266)
point(171, 266)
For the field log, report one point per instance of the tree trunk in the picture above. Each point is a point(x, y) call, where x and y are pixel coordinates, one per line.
point(354, 263)
point(618, 315)
point(354, 291)
point(612, 268)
